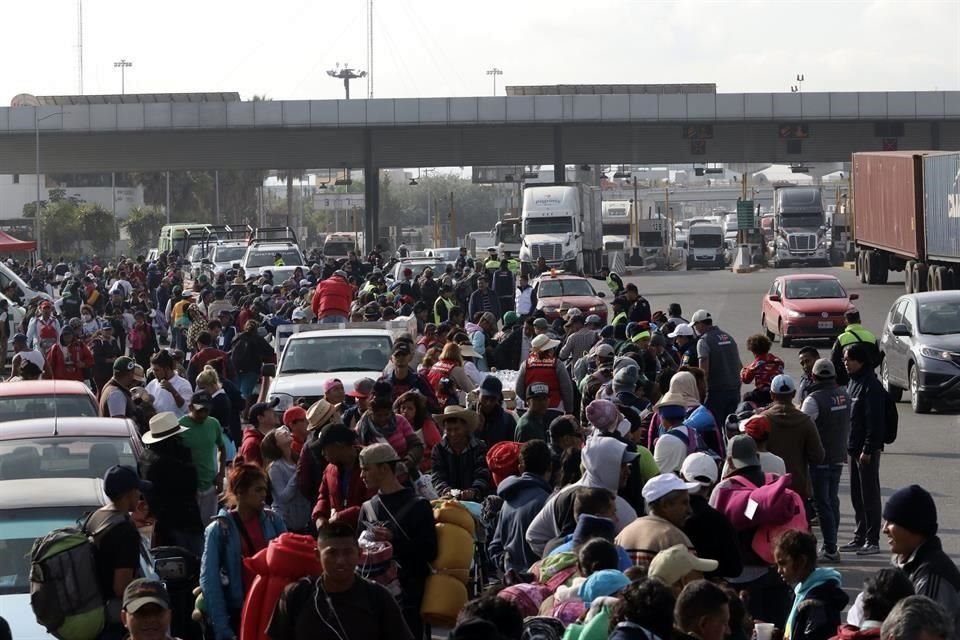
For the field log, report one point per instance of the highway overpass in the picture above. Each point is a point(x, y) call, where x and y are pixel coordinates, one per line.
point(515, 130)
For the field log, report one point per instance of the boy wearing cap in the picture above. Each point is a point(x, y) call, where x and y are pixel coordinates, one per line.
point(534, 424)
point(496, 424)
point(204, 438)
point(396, 514)
point(146, 610)
point(676, 567)
point(828, 405)
point(115, 398)
point(117, 539)
point(910, 524)
point(685, 344)
point(793, 435)
point(668, 503)
point(710, 532)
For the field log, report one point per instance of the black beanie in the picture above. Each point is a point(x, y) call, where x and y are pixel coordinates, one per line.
point(913, 509)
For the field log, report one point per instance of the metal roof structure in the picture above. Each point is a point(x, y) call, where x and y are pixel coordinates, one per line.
point(605, 89)
point(29, 100)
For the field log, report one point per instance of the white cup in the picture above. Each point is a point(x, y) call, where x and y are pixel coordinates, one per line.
point(763, 630)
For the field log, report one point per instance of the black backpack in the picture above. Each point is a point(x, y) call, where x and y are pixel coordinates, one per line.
point(891, 418)
point(642, 309)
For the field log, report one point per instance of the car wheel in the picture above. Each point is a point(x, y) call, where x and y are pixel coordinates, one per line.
point(895, 392)
point(918, 401)
point(770, 334)
point(784, 340)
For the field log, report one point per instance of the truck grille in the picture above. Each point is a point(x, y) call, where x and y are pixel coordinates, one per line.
point(549, 252)
point(802, 242)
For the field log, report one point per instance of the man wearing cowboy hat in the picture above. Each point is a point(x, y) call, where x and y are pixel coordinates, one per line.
point(542, 365)
point(167, 464)
point(459, 461)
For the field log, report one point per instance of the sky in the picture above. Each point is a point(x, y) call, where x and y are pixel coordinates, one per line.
point(282, 49)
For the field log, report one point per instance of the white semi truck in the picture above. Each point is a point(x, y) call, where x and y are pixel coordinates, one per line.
point(562, 224)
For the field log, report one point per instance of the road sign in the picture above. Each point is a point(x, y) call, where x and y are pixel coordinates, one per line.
point(745, 215)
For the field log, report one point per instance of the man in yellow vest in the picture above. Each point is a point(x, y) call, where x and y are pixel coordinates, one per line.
point(443, 304)
point(492, 263)
point(619, 311)
point(512, 263)
point(278, 260)
point(853, 333)
point(613, 281)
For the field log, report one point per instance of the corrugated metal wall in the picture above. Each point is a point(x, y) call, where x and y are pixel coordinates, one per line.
point(885, 202)
point(941, 196)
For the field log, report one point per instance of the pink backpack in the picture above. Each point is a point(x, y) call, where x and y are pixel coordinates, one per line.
point(779, 508)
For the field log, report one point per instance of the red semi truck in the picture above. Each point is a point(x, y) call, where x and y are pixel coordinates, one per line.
point(906, 217)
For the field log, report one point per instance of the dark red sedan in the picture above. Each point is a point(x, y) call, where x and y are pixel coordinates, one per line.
point(805, 306)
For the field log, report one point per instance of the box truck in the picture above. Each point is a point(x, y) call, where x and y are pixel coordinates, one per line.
point(562, 225)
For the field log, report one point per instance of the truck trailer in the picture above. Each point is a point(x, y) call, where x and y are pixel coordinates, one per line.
point(906, 217)
point(562, 225)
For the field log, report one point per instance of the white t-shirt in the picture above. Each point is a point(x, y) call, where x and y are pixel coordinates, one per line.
point(163, 399)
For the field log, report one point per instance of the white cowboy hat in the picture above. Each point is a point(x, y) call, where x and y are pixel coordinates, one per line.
point(543, 342)
point(467, 351)
point(162, 426)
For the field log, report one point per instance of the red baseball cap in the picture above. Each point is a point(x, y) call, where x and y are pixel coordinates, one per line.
point(293, 414)
point(757, 427)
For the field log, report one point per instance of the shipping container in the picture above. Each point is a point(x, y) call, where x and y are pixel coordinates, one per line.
point(941, 200)
point(906, 211)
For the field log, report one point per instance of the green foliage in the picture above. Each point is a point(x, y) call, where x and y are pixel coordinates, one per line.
point(98, 227)
point(61, 228)
point(144, 224)
point(474, 206)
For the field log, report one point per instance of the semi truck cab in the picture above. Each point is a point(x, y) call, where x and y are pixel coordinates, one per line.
point(800, 231)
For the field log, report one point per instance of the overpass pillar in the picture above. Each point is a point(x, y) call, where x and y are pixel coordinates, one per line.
point(935, 136)
point(371, 183)
point(559, 168)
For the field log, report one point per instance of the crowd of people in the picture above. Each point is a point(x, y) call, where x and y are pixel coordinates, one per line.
point(633, 478)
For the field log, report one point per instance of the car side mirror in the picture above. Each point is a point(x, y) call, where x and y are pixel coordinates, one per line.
point(900, 329)
point(206, 261)
point(268, 371)
point(774, 298)
point(601, 294)
point(854, 296)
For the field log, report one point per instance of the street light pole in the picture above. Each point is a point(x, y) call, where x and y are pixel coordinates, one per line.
point(346, 74)
point(36, 213)
point(123, 65)
point(494, 72)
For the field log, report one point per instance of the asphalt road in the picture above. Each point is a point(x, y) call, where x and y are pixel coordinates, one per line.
point(928, 446)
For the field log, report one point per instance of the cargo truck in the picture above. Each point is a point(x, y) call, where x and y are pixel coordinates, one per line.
point(906, 217)
point(799, 227)
point(562, 225)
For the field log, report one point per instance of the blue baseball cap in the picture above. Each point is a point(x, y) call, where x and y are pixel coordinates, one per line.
point(119, 479)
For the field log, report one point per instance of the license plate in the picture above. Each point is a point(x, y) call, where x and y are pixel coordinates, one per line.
point(825, 324)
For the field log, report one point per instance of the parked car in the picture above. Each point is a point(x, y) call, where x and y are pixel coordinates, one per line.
point(67, 447)
point(29, 509)
point(46, 399)
point(554, 294)
point(921, 347)
point(310, 357)
point(805, 306)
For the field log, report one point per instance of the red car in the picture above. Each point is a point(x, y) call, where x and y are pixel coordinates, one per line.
point(46, 399)
point(556, 293)
point(805, 306)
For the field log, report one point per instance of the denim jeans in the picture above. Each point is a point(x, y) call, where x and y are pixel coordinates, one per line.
point(333, 320)
point(826, 496)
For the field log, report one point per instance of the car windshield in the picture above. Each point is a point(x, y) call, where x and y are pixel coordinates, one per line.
point(230, 254)
point(338, 248)
point(328, 354)
point(560, 288)
point(265, 257)
point(19, 528)
point(510, 232)
point(63, 457)
point(813, 289)
point(939, 317)
point(705, 241)
point(447, 255)
point(64, 405)
point(548, 225)
point(418, 267)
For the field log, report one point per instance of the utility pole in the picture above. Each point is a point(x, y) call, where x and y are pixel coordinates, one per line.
point(369, 48)
point(80, 43)
point(494, 72)
point(123, 65)
point(346, 74)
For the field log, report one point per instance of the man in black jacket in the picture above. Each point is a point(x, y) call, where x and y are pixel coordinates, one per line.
point(459, 461)
point(711, 533)
point(867, 427)
point(910, 517)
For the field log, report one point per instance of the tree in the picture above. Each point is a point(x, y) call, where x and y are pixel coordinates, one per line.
point(144, 224)
point(60, 222)
point(98, 227)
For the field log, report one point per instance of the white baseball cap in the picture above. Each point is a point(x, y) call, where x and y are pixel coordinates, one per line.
point(682, 329)
point(700, 315)
point(661, 485)
point(701, 468)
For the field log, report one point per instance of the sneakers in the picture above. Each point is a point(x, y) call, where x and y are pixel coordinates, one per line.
point(852, 546)
point(868, 550)
point(828, 556)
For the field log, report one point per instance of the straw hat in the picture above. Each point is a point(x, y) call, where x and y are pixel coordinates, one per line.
point(543, 342)
point(320, 413)
point(162, 426)
point(456, 412)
